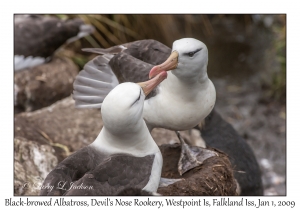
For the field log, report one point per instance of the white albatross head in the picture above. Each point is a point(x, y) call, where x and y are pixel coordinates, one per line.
point(122, 108)
point(188, 59)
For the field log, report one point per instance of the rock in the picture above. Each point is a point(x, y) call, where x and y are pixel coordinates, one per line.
point(214, 177)
point(33, 162)
point(260, 121)
point(61, 125)
point(43, 85)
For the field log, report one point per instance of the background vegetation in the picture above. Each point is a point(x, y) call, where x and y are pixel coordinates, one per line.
point(238, 44)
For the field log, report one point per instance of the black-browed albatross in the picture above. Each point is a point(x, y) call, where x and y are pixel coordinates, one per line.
point(123, 155)
point(37, 37)
point(180, 102)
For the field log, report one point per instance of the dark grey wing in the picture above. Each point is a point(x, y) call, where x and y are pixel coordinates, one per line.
point(149, 51)
point(69, 170)
point(134, 63)
point(219, 134)
point(129, 69)
point(114, 175)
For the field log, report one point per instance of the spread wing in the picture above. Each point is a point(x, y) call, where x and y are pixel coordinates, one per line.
point(113, 175)
point(93, 83)
point(130, 62)
point(69, 170)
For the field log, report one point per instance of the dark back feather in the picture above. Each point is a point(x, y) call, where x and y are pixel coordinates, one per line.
point(221, 135)
point(115, 174)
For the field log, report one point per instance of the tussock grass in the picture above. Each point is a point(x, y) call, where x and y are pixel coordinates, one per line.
point(114, 29)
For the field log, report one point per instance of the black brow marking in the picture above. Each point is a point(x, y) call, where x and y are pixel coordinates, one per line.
point(197, 50)
point(191, 54)
point(137, 98)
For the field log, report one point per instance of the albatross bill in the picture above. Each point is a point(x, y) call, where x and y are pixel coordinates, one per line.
point(170, 64)
point(148, 86)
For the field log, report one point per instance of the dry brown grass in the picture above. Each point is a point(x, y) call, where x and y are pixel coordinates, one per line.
point(120, 28)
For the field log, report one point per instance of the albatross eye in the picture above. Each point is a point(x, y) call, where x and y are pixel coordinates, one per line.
point(138, 97)
point(191, 54)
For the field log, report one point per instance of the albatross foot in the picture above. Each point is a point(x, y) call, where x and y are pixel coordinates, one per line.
point(164, 182)
point(191, 156)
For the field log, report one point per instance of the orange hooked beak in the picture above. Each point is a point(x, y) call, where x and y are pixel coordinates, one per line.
point(169, 64)
point(149, 85)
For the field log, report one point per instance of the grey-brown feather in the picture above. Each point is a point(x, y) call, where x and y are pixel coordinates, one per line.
point(115, 174)
point(108, 175)
point(219, 134)
point(71, 169)
point(130, 69)
point(150, 51)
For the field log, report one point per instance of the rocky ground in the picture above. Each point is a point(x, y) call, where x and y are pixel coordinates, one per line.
point(46, 136)
point(263, 126)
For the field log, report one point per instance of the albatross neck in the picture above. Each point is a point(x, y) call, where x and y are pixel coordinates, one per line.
point(186, 88)
point(138, 143)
